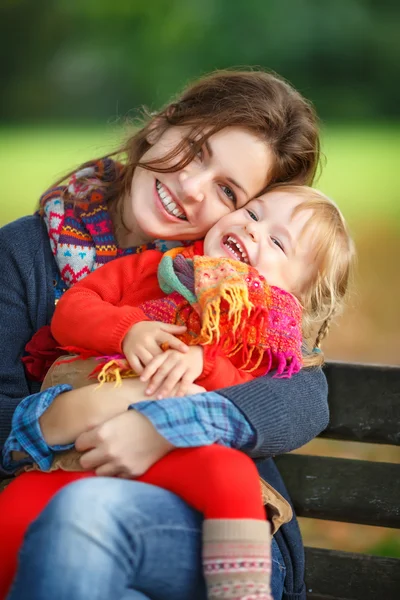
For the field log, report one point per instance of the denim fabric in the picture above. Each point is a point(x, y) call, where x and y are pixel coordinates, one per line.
point(107, 538)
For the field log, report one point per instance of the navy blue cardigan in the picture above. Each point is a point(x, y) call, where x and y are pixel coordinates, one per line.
point(285, 413)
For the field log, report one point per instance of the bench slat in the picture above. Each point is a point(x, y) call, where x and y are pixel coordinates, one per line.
point(339, 489)
point(364, 401)
point(333, 575)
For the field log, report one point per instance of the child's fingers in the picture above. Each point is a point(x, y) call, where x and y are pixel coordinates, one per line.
point(185, 384)
point(161, 375)
point(135, 363)
point(153, 366)
point(174, 329)
point(172, 341)
point(172, 379)
point(163, 370)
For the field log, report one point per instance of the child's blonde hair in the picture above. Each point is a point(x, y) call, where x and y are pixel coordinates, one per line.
point(335, 255)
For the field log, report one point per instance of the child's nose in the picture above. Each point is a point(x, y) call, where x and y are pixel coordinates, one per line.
point(251, 232)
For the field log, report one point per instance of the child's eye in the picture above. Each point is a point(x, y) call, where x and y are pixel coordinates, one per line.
point(229, 193)
point(252, 214)
point(278, 243)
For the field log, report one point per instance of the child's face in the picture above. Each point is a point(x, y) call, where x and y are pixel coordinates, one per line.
point(268, 236)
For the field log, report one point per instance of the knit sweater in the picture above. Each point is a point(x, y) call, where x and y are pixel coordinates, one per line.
point(97, 312)
point(285, 413)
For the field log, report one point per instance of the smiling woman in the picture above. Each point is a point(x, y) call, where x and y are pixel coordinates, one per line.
point(225, 139)
point(230, 167)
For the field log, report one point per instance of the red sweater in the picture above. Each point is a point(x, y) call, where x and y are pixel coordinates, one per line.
point(98, 312)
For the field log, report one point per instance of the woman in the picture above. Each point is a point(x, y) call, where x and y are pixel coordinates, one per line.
point(222, 142)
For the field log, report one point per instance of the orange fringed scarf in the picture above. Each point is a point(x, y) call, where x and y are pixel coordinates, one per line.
point(226, 303)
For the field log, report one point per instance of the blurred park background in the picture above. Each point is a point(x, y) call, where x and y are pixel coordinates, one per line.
point(73, 73)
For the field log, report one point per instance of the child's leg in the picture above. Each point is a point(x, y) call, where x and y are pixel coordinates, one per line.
point(224, 485)
point(20, 503)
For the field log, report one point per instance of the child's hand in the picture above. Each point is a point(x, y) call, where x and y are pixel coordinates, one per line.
point(171, 369)
point(143, 342)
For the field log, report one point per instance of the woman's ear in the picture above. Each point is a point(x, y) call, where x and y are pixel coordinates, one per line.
point(155, 129)
point(159, 124)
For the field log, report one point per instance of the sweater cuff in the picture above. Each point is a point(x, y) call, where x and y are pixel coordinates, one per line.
point(26, 435)
point(136, 315)
point(210, 353)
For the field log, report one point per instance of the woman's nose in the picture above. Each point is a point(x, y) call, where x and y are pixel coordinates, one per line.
point(193, 185)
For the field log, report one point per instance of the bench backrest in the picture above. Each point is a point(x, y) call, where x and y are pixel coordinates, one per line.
point(365, 407)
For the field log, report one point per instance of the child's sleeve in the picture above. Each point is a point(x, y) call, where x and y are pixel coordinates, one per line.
point(219, 371)
point(94, 313)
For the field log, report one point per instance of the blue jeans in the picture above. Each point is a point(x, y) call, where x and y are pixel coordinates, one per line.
point(103, 538)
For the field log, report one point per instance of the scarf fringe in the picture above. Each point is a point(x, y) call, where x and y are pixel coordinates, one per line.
point(112, 369)
point(238, 303)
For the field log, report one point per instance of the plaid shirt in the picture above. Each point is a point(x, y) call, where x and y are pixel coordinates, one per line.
point(197, 420)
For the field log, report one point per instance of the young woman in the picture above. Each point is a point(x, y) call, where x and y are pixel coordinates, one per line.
point(221, 143)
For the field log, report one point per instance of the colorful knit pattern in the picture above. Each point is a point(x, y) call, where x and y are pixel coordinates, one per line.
point(227, 304)
point(79, 225)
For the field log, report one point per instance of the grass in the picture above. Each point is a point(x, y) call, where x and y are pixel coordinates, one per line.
point(361, 169)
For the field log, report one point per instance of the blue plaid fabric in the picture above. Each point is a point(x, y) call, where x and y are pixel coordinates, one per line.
point(199, 420)
point(26, 435)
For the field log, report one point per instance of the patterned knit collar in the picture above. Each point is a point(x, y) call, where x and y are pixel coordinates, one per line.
point(79, 224)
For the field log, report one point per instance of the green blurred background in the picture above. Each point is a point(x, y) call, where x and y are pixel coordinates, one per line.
point(73, 74)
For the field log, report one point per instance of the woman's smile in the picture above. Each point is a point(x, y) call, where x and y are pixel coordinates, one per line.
point(169, 202)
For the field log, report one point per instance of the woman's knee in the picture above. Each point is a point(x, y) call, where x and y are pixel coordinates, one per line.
point(106, 502)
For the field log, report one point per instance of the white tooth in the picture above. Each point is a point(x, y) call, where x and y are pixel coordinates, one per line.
point(176, 212)
point(171, 205)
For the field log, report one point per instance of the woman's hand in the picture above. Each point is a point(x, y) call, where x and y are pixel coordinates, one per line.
point(173, 371)
point(144, 340)
point(125, 446)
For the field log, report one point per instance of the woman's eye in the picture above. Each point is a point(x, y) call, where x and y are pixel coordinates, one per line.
point(230, 194)
point(252, 214)
point(277, 243)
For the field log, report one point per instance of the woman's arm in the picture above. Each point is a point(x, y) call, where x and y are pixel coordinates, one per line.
point(284, 413)
point(23, 306)
point(208, 418)
point(76, 411)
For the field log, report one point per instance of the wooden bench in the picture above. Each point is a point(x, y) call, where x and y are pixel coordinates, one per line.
point(365, 407)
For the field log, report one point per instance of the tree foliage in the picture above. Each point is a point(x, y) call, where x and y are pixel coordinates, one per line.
point(97, 59)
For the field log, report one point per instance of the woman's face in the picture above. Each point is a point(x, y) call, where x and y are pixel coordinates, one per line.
point(232, 167)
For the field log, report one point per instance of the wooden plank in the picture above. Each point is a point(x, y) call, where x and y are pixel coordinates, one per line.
point(364, 401)
point(332, 575)
point(339, 489)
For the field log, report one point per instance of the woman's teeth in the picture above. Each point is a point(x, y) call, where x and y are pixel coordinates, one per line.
point(168, 203)
point(236, 249)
